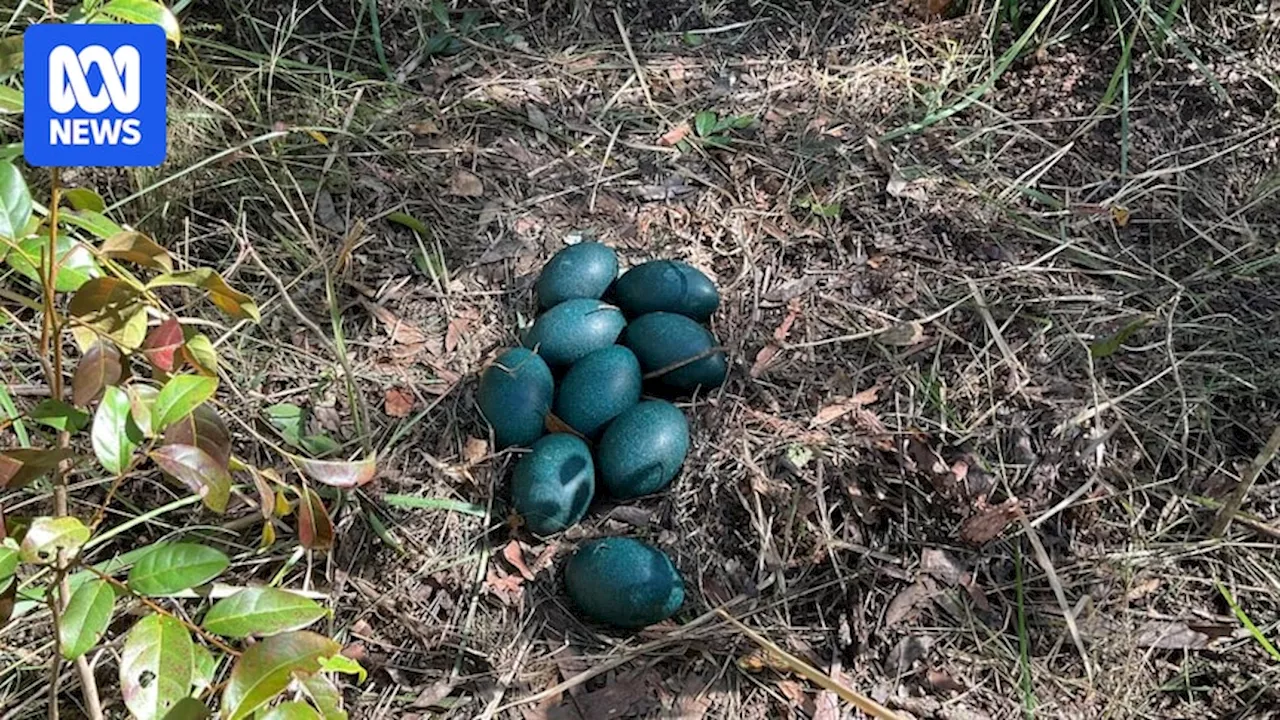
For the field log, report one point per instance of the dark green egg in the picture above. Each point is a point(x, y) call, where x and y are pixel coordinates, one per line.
point(661, 340)
point(584, 270)
point(571, 330)
point(515, 396)
point(667, 286)
point(553, 484)
point(598, 388)
point(642, 449)
point(623, 582)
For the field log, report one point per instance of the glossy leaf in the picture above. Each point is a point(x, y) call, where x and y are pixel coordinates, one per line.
point(288, 419)
point(156, 666)
point(345, 665)
point(199, 351)
point(204, 670)
point(48, 535)
point(15, 202)
point(85, 618)
point(20, 466)
point(95, 223)
point(266, 495)
point(295, 710)
point(138, 249)
point(315, 529)
point(115, 435)
point(188, 708)
point(204, 429)
point(267, 668)
point(339, 473)
point(76, 265)
point(229, 300)
point(174, 567)
point(704, 123)
point(326, 696)
point(145, 12)
point(179, 397)
point(261, 611)
point(59, 416)
point(84, 199)
point(162, 344)
point(113, 308)
point(199, 472)
point(142, 398)
point(9, 558)
point(99, 368)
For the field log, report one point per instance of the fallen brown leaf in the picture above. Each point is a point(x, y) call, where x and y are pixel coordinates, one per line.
point(425, 127)
point(794, 691)
point(398, 402)
point(941, 565)
point(675, 135)
point(399, 330)
point(842, 407)
point(989, 521)
point(769, 351)
point(433, 694)
point(545, 558)
point(1178, 635)
point(630, 695)
point(475, 450)
point(465, 184)
point(903, 334)
point(907, 602)
point(507, 588)
point(515, 555)
point(458, 327)
point(941, 681)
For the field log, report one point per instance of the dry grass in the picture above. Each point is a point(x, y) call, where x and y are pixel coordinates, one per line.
point(968, 272)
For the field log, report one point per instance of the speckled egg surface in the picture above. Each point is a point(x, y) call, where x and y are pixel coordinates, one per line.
point(661, 340)
point(515, 395)
point(584, 270)
point(667, 286)
point(598, 388)
point(623, 582)
point(642, 449)
point(553, 484)
point(571, 330)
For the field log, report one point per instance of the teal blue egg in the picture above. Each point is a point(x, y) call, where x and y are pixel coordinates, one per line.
point(662, 340)
point(642, 449)
point(515, 395)
point(584, 270)
point(553, 484)
point(667, 286)
point(573, 329)
point(623, 582)
point(598, 388)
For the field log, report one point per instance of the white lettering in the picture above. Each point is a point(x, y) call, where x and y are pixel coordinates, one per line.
point(69, 85)
point(80, 131)
point(132, 132)
point(59, 132)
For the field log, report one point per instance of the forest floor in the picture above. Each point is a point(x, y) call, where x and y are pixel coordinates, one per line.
point(1000, 292)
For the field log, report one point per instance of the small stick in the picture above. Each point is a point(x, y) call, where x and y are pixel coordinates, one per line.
point(635, 64)
point(1233, 503)
point(687, 361)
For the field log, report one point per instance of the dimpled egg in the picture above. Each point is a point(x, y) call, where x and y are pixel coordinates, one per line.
point(515, 395)
point(553, 484)
point(598, 388)
point(584, 270)
point(642, 449)
point(667, 286)
point(623, 582)
point(661, 340)
point(571, 330)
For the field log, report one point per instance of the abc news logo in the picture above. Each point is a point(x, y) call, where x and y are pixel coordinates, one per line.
point(121, 89)
point(94, 95)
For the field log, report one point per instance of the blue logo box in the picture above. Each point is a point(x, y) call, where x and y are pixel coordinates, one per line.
point(94, 95)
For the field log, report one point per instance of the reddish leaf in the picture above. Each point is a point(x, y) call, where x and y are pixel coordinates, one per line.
point(989, 521)
point(339, 473)
point(99, 368)
point(20, 466)
point(768, 352)
point(515, 556)
point(197, 470)
point(465, 184)
point(399, 402)
point(315, 529)
point(906, 603)
point(163, 343)
point(508, 588)
point(204, 429)
point(262, 480)
point(840, 408)
point(8, 598)
point(675, 135)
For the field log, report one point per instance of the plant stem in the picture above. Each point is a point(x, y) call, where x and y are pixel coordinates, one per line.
point(211, 638)
point(1233, 503)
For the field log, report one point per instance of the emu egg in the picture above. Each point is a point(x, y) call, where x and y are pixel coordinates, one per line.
point(569, 331)
point(584, 270)
point(642, 449)
point(667, 286)
point(663, 339)
point(623, 582)
point(553, 485)
point(515, 395)
point(598, 388)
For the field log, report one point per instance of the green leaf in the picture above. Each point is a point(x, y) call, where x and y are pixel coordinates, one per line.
point(179, 397)
point(145, 12)
point(295, 710)
point(261, 611)
point(188, 708)
point(47, 535)
point(20, 466)
point(704, 123)
point(95, 223)
point(112, 307)
point(198, 471)
point(76, 265)
point(229, 300)
point(345, 665)
point(410, 222)
point(155, 666)
point(204, 429)
point(413, 502)
point(15, 202)
point(115, 435)
point(319, 445)
point(741, 122)
point(204, 670)
point(267, 668)
point(86, 618)
point(339, 473)
point(199, 351)
point(288, 420)
point(84, 199)
point(59, 416)
point(141, 399)
point(99, 368)
point(10, 100)
point(9, 558)
point(325, 695)
point(174, 567)
point(1109, 345)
